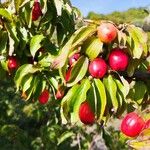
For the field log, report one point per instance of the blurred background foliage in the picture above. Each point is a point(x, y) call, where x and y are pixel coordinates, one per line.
point(28, 125)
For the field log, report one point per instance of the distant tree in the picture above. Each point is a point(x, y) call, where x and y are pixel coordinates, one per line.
point(130, 16)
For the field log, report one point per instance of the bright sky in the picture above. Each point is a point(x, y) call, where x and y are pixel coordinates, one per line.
point(107, 6)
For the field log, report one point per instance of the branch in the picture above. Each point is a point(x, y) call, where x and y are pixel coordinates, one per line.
point(142, 75)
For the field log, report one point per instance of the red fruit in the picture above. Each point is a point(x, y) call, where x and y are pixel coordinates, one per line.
point(132, 124)
point(12, 63)
point(36, 11)
point(73, 58)
point(86, 114)
point(98, 68)
point(68, 74)
point(147, 124)
point(118, 60)
point(59, 94)
point(44, 96)
point(107, 32)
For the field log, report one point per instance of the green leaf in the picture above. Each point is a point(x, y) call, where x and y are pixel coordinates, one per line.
point(79, 97)
point(38, 86)
point(111, 89)
point(65, 103)
point(13, 37)
point(138, 91)
point(125, 84)
point(26, 82)
point(122, 38)
point(53, 82)
point(58, 5)
point(121, 94)
point(4, 13)
point(18, 4)
point(142, 37)
point(61, 59)
point(132, 66)
point(65, 136)
point(82, 34)
point(76, 39)
point(3, 41)
point(91, 97)
point(60, 33)
point(4, 64)
point(92, 47)
point(101, 98)
point(78, 71)
point(25, 12)
point(121, 88)
point(35, 44)
point(137, 45)
point(22, 71)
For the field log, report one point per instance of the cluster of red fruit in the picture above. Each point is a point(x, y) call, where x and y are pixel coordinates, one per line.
point(132, 124)
point(118, 61)
point(118, 58)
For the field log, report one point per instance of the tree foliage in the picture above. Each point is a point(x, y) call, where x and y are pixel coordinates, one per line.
point(42, 49)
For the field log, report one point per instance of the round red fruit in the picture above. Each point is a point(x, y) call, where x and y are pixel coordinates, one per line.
point(44, 96)
point(68, 74)
point(98, 68)
point(12, 63)
point(118, 60)
point(36, 11)
point(107, 32)
point(147, 124)
point(73, 58)
point(132, 124)
point(86, 114)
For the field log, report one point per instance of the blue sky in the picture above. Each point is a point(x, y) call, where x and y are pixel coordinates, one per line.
point(107, 6)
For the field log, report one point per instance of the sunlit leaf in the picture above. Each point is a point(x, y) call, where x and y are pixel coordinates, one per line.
point(101, 98)
point(35, 44)
point(78, 71)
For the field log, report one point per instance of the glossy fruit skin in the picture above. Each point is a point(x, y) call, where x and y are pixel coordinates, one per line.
point(132, 124)
point(74, 58)
point(68, 74)
point(107, 32)
point(12, 63)
point(44, 96)
point(59, 94)
point(147, 124)
point(118, 60)
point(36, 11)
point(86, 114)
point(98, 68)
